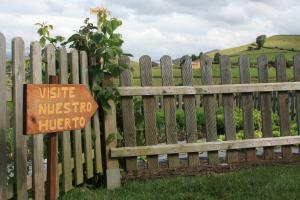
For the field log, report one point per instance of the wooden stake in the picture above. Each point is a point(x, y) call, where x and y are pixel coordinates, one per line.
point(52, 157)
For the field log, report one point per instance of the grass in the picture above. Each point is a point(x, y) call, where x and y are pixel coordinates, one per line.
point(276, 182)
point(156, 75)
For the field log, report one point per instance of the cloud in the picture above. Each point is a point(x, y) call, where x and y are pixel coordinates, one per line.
point(158, 27)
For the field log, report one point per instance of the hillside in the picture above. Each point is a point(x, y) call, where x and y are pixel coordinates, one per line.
point(286, 44)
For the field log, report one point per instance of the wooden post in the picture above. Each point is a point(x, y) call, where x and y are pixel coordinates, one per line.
point(65, 136)
point(38, 172)
point(128, 114)
point(169, 108)
point(297, 93)
point(228, 105)
point(189, 109)
point(209, 105)
point(265, 105)
point(3, 127)
point(247, 105)
point(149, 109)
point(52, 157)
point(20, 145)
point(283, 104)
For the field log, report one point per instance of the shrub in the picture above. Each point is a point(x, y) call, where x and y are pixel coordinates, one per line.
point(180, 121)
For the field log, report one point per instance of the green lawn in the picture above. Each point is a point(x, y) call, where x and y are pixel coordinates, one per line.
point(277, 182)
point(156, 75)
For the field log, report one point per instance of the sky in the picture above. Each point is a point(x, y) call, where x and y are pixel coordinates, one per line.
point(159, 27)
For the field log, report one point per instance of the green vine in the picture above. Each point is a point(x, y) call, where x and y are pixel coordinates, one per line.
point(103, 46)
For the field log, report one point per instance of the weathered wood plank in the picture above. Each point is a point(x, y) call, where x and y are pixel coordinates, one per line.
point(51, 70)
point(38, 171)
point(3, 127)
point(128, 114)
point(77, 148)
point(113, 176)
point(296, 61)
point(247, 105)
point(209, 105)
point(228, 106)
point(202, 147)
point(189, 109)
point(20, 151)
point(169, 108)
point(212, 89)
point(96, 128)
point(283, 103)
point(265, 105)
point(87, 132)
point(65, 136)
point(149, 109)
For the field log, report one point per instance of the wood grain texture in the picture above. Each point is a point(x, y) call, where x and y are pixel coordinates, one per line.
point(296, 62)
point(228, 106)
point(20, 149)
point(247, 105)
point(65, 137)
point(189, 109)
point(128, 114)
point(87, 132)
point(96, 128)
point(149, 109)
point(209, 106)
point(3, 124)
point(77, 147)
point(50, 58)
point(202, 147)
point(212, 89)
point(38, 171)
point(265, 105)
point(283, 103)
point(112, 171)
point(169, 108)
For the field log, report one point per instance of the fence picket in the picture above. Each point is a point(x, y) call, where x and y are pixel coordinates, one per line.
point(297, 93)
point(248, 106)
point(209, 106)
point(265, 105)
point(228, 106)
point(65, 136)
point(3, 124)
point(77, 147)
point(149, 109)
point(189, 109)
point(38, 171)
point(128, 114)
point(283, 103)
point(169, 108)
point(51, 70)
point(20, 152)
point(87, 132)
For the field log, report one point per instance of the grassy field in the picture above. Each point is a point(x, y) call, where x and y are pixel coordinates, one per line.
point(156, 73)
point(277, 182)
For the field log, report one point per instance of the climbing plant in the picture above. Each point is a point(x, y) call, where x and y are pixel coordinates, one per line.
point(103, 46)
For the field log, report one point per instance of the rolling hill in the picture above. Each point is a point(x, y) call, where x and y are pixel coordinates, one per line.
point(285, 44)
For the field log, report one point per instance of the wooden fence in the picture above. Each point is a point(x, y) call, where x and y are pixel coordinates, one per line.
point(82, 152)
point(209, 93)
point(79, 151)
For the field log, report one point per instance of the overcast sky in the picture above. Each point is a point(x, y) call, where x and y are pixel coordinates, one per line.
point(158, 27)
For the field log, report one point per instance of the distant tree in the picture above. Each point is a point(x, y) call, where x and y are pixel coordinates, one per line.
point(217, 58)
point(260, 41)
point(200, 54)
point(194, 57)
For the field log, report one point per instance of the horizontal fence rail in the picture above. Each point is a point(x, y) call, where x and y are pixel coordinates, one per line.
point(201, 147)
point(210, 89)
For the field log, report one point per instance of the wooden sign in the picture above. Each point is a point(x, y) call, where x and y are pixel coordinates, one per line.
point(57, 107)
